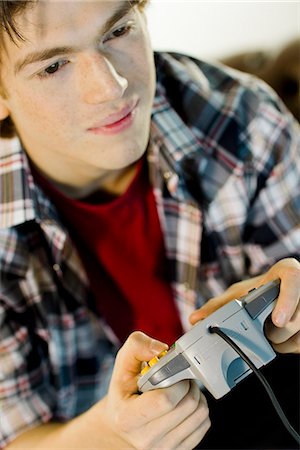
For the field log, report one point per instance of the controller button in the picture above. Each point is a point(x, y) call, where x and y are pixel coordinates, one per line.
point(153, 361)
point(145, 370)
point(162, 354)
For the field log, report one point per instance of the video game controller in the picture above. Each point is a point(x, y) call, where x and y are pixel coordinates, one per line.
point(206, 357)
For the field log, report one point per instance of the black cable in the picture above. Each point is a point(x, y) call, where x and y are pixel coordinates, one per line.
point(278, 409)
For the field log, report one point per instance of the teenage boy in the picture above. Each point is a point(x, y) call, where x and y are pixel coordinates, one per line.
point(134, 188)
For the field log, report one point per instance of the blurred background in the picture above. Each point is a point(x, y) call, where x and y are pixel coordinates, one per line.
point(213, 29)
point(260, 37)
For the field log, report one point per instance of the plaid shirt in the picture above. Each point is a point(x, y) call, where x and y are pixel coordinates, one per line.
point(225, 168)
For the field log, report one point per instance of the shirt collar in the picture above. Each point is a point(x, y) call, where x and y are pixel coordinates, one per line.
point(21, 200)
point(171, 142)
point(16, 204)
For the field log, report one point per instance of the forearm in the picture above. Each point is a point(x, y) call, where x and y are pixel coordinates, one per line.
point(83, 432)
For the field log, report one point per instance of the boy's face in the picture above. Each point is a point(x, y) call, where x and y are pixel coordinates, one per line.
point(80, 87)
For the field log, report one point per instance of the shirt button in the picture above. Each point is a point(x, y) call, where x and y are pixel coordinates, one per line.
point(56, 267)
point(167, 175)
point(186, 286)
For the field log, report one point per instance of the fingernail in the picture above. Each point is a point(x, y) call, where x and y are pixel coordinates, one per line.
point(280, 319)
point(158, 347)
point(198, 316)
point(197, 313)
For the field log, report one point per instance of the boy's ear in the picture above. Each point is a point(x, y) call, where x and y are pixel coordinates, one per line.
point(4, 112)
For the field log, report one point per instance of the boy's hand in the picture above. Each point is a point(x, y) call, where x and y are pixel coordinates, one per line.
point(165, 418)
point(283, 330)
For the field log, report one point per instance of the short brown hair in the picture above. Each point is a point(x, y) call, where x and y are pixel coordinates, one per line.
point(8, 12)
point(9, 9)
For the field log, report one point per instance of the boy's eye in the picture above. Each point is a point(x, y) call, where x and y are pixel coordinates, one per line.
point(52, 69)
point(120, 31)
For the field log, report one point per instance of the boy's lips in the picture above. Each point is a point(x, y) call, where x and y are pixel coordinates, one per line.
point(116, 122)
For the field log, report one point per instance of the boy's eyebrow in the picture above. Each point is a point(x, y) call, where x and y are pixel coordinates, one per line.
point(45, 54)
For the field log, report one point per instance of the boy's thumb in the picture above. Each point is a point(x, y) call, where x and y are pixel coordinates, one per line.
point(138, 348)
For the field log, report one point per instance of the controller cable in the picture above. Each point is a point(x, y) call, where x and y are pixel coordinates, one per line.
point(275, 403)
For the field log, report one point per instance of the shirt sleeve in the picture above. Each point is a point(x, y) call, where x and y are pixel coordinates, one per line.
point(272, 230)
point(25, 400)
point(53, 365)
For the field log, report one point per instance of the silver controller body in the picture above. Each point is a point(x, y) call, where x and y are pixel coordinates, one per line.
point(207, 358)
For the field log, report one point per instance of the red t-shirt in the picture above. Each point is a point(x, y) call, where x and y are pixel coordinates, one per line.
point(122, 248)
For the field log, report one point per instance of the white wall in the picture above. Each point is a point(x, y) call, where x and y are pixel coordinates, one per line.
point(212, 29)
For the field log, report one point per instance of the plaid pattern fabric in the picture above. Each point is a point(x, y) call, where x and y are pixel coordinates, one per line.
point(225, 168)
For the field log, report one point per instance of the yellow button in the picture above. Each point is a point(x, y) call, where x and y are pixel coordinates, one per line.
point(145, 370)
point(153, 361)
point(162, 354)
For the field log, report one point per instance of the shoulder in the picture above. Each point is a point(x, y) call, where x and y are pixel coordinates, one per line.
point(213, 81)
point(225, 108)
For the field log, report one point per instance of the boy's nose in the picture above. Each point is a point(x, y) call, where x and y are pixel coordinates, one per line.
point(99, 81)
